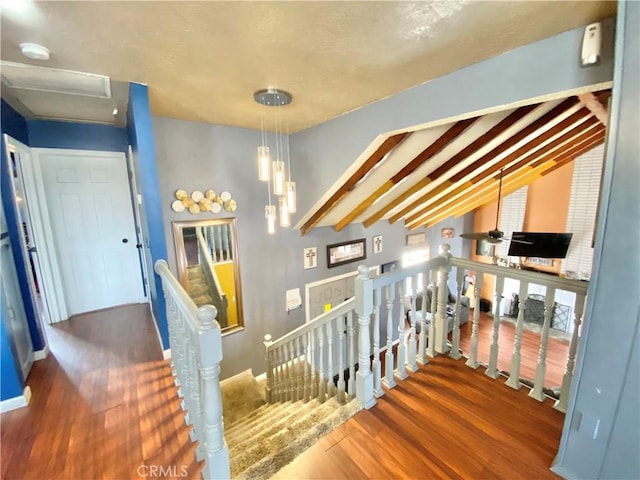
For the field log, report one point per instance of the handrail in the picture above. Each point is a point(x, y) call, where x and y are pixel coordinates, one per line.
point(342, 309)
point(400, 274)
point(559, 283)
point(202, 244)
point(179, 293)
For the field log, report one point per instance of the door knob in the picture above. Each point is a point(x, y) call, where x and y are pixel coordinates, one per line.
point(125, 240)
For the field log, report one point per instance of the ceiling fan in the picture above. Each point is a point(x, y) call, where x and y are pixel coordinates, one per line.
point(492, 236)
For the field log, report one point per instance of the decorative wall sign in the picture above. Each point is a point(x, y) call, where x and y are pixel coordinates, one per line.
point(346, 252)
point(416, 239)
point(448, 232)
point(198, 202)
point(377, 244)
point(310, 258)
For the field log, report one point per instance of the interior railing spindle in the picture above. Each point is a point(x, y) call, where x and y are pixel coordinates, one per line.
point(376, 364)
point(514, 374)
point(538, 387)
point(388, 380)
point(401, 360)
point(472, 361)
point(492, 369)
point(455, 333)
point(412, 353)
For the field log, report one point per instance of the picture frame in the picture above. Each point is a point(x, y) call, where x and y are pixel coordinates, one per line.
point(416, 239)
point(447, 232)
point(346, 252)
point(485, 248)
point(377, 244)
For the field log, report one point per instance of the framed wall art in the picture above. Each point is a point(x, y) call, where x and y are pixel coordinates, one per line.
point(346, 252)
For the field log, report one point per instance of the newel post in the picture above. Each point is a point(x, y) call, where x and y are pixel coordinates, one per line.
point(364, 306)
point(209, 351)
point(267, 343)
point(442, 323)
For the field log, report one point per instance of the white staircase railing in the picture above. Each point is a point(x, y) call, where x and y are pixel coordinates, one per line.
point(385, 293)
point(316, 360)
point(196, 352)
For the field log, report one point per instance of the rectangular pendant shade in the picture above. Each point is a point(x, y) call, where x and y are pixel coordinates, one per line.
point(270, 215)
point(278, 177)
point(264, 161)
point(285, 221)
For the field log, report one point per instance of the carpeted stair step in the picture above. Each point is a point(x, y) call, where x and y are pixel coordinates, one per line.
point(272, 422)
point(248, 418)
point(256, 417)
point(203, 300)
point(265, 453)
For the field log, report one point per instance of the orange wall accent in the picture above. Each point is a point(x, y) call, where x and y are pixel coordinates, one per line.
point(547, 211)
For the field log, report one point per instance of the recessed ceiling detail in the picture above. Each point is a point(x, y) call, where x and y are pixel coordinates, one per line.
point(453, 169)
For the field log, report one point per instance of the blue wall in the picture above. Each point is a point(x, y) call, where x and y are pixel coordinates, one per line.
point(11, 385)
point(140, 135)
point(79, 136)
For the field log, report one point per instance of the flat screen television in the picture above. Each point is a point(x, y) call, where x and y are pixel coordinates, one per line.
point(539, 244)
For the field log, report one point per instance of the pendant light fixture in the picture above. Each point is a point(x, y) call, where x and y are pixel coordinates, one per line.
point(271, 170)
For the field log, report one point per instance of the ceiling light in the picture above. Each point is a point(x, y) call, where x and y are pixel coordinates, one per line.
point(273, 172)
point(34, 51)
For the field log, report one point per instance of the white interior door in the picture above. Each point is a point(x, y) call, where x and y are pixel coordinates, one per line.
point(89, 208)
point(12, 309)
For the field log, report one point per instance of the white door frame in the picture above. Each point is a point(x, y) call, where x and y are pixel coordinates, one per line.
point(50, 279)
point(136, 200)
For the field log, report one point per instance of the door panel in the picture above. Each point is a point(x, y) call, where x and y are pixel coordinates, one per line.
point(13, 310)
point(91, 215)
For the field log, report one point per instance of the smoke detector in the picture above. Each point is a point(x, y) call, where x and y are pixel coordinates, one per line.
point(34, 51)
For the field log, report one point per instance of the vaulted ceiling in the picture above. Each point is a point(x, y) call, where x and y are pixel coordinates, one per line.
point(425, 176)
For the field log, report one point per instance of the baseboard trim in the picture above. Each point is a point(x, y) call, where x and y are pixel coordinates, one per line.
point(16, 402)
point(41, 354)
point(165, 355)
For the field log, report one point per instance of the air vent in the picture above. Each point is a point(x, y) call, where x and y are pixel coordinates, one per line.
point(44, 79)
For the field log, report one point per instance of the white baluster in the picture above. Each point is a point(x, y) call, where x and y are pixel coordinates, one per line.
point(306, 368)
point(423, 359)
point(364, 306)
point(376, 366)
point(472, 361)
point(538, 386)
point(578, 309)
point(412, 366)
point(299, 371)
point(388, 380)
point(351, 337)
point(455, 333)
point(267, 343)
point(210, 355)
point(313, 380)
point(431, 344)
point(492, 369)
point(401, 360)
point(514, 375)
point(282, 386)
point(288, 388)
point(330, 385)
point(442, 321)
point(322, 387)
point(340, 327)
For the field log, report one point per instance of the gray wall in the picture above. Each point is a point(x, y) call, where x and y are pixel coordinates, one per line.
point(199, 156)
point(196, 156)
point(601, 438)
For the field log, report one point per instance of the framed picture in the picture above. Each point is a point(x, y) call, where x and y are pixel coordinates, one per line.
point(310, 258)
point(346, 252)
point(377, 244)
point(447, 232)
point(416, 239)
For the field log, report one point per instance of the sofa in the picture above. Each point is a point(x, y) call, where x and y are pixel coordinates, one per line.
point(451, 306)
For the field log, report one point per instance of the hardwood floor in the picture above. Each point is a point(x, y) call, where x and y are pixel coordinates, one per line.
point(557, 350)
point(103, 406)
point(445, 421)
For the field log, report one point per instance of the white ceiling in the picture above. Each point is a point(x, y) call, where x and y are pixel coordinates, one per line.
point(203, 60)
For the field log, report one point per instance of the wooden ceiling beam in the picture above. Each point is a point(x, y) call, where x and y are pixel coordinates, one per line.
point(375, 158)
point(528, 175)
point(592, 102)
point(530, 129)
point(445, 139)
point(575, 134)
point(470, 149)
point(487, 191)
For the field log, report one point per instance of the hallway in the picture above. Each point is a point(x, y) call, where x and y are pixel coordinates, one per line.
point(103, 405)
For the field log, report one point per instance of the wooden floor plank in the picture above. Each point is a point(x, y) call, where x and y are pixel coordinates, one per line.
point(103, 405)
